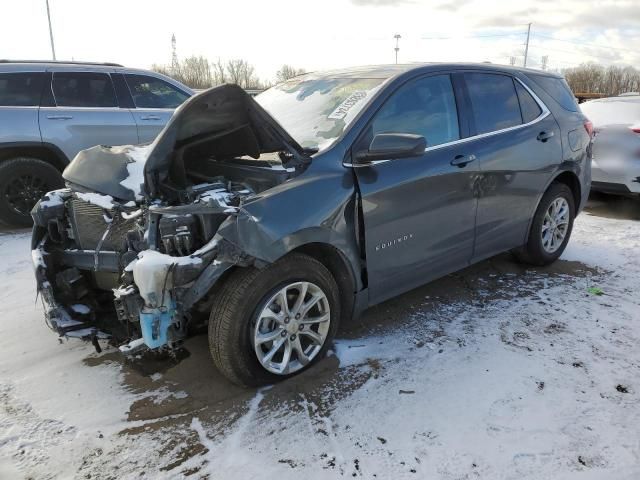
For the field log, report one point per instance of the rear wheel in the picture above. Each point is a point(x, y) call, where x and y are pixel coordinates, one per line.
point(23, 181)
point(551, 226)
point(272, 323)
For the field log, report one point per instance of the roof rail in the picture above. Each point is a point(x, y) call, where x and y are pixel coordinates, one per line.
point(71, 62)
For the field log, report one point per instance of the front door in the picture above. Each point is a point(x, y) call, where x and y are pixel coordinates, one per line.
point(85, 113)
point(154, 100)
point(419, 212)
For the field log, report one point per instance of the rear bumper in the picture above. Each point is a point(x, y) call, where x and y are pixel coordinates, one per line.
point(622, 178)
point(613, 188)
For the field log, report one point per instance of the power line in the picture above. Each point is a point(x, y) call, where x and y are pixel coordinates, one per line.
point(544, 47)
point(585, 43)
point(474, 36)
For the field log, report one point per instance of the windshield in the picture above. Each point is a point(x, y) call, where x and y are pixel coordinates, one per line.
point(315, 111)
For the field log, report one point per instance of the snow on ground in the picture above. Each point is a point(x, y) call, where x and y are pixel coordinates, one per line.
point(514, 373)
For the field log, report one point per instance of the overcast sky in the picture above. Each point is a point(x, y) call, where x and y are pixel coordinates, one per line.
point(324, 34)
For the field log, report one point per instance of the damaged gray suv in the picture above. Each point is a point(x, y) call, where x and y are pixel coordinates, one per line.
point(274, 219)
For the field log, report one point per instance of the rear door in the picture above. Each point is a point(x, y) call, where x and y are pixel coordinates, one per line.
point(83, 111)
point(518, 145)
point(19, 102)
point(419, 212)
point(154, 101)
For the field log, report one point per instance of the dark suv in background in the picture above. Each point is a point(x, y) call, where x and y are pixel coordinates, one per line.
point(51, 111)
point(274, 219)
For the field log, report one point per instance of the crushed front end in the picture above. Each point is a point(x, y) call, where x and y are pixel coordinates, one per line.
point(131, 273)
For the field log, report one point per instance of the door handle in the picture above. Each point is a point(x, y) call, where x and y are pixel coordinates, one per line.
point(59, 117)
point(544, 136)
point(150, 117)
point(461, 161)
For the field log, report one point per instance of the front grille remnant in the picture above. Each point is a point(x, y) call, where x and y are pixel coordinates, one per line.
point(90, 222)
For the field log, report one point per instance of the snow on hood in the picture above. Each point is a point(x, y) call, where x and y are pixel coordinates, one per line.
point(116, 172)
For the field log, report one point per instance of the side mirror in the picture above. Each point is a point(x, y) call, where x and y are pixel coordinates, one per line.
point(386, 146)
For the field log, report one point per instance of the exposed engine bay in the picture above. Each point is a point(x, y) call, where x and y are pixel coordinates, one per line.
point(99, 263)
point(131, 249)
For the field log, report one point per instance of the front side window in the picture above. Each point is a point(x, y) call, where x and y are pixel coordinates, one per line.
point(150, 92)
point(494, 101)
point(83, 89)
point(425, 107)
point(20, 89)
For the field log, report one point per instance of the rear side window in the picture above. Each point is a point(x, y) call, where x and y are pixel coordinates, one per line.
point(20, 89)
point(426, 107)
point(529, 107)
point(83, 89)
point(150, 92)
point(494, 101)
point(558, 89)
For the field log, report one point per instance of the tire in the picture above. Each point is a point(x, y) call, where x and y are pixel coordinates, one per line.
point(536, 251)
point(237, 309)
point(23, 181)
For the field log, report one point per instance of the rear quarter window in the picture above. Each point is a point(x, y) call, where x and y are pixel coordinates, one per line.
point(529, 107)
point(20, 89)
point(558, 89)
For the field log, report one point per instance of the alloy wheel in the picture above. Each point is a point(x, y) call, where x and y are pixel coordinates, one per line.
point(291, 328)
point(555, 225)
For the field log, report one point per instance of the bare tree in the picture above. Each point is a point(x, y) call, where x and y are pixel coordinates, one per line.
point(594, 78)
point(287, 71)
point(196, 72)
point(219, 73)
point(241, 72)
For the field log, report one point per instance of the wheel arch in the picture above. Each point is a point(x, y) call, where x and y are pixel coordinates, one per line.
point(46, 152)
point(339, 267)
point(566, 177)
point(570, 179)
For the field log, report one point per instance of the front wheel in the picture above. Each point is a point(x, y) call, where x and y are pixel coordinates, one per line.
point(23, 181)
point(269, 324)
point(551, 226)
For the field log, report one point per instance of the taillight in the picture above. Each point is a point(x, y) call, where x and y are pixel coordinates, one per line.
point(588, 126)
point(635, 128)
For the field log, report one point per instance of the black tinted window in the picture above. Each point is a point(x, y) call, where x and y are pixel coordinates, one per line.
point(558, 89)
point(80, 89)
point(424, 107)
point(150, 92)
point(20, 89)
point(494, 101)
point(529, 107)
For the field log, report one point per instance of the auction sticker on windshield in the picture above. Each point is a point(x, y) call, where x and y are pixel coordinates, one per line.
point(341, 110)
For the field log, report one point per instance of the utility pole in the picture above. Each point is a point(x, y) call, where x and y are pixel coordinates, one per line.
point(512, 61)
point(526, 46)
point(545, 62)
point(397, 37)
point(53, 48)
point(175, 64)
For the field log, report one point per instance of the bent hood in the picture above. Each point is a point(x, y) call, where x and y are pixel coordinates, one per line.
point(222, 122)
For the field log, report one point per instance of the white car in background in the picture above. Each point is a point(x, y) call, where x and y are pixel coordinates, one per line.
point(616, 147)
